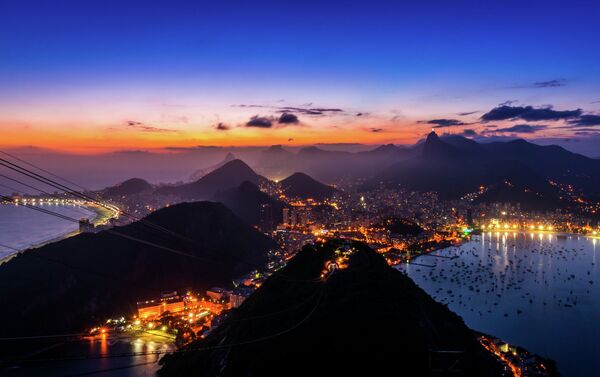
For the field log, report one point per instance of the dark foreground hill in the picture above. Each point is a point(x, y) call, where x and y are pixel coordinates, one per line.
point(67, 285)
point(367, 320)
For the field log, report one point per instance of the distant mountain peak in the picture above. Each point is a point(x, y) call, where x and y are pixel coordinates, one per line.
point(235, 164)
point(202, 172)
point(311, 150)
point(129, 187)
point(432, 135)
point(304, 186)
point(435, 147)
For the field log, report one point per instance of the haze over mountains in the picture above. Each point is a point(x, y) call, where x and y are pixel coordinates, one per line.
point(451, 165)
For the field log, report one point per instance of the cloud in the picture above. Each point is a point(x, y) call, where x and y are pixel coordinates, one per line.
point(467, 113)
point(147, 128)
point(444, 122)
point(586, 120)
point(528, 113)
point(549, 84)
point(373, 129)
point(469, 132)
point(522, 128)
point(543, 84)
point(305, 109)
point(259, 122)
point(288, 118)
point(222, 127)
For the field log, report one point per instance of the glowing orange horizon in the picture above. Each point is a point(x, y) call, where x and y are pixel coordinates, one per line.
point(91, 140)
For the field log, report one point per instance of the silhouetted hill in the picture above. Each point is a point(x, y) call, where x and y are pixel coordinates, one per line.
point(232, 174)
point(246, 200)
point(367, 320)
point(202, 172)
point(387, 149)
point(131, 186)
point(401, 226)
point(277, 162)
point(69, 284)
point(300, 185)
point(436, 148)
point(514, 171)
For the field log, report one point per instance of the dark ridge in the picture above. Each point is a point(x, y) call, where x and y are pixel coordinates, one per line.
point(63, 286)
point(367, 319)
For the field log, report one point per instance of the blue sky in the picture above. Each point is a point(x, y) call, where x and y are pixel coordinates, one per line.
point(75, 61)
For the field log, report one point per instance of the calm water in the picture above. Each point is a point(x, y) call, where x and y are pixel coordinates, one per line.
point(533, 290)
point(21, 227)
point(81, 358)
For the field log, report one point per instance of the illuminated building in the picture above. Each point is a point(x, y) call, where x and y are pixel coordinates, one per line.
point(266, 223)
point(169, 302)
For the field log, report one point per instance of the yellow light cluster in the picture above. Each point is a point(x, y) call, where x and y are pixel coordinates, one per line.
point(516, 226)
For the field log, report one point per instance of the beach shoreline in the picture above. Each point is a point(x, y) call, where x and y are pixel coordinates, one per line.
point(99, 216)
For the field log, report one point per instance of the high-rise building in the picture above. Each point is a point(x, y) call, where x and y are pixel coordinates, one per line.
point(266, 218)
point(286, 217)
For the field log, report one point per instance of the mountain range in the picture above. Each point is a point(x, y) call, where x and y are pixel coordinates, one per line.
point(508, 171)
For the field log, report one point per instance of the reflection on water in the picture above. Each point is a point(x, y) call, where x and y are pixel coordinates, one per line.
point(535, 290)
point(106, 355)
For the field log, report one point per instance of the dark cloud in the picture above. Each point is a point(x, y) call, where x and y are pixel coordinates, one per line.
point(259, 122)
point(376, 129)
point(467, 113)
point(147, 128)
point(586, 120)
point(469, 132)
point(288, 118)
point(305, 109)
point(222, 127)
point(290, 139)
point(549, 84)
point(328, 110)
point(310, 110)
point(543, 84)
point(522, 128)
point(528, 113)
point(444, 122)
point(587, 133)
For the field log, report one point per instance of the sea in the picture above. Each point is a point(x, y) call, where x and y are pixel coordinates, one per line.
point(535, 290)
point(22, 227)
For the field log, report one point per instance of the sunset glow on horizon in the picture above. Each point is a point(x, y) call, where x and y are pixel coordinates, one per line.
point(92, 78)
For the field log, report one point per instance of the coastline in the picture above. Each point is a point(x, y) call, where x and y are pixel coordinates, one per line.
point(100, 216)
